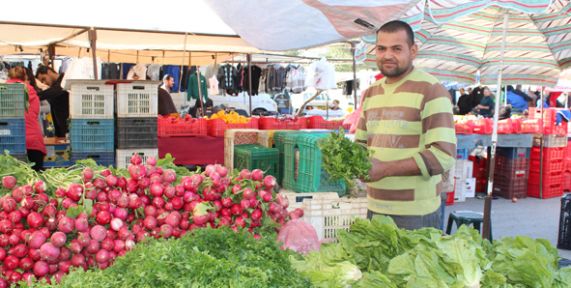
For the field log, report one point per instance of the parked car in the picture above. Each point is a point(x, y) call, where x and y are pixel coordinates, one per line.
point(262, 104)
point(319, 105)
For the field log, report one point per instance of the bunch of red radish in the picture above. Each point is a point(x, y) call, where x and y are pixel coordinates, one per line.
point(40, 238)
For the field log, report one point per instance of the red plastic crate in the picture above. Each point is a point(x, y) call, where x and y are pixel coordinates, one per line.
point(567, 181)
point(450, 198)
point(510, 187)
point(317, 122)
point(555, 190)
point(505, 126)
point(549, 121)
point(217, 127)
point(549, 153)
point(273, 123)
point(549, 178)
point(531, 126)
point(483, 126)
point(466, 127)
point(548, 166)
point(169, 127)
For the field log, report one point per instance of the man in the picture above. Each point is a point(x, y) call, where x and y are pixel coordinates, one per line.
point(56, 96)
point(408, 125)
point(519, 101)
point(166, 105)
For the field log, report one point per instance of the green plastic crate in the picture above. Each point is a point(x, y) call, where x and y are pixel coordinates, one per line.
point(303, 170)
point(13, 100)
point(254, 156)
point(279, 138)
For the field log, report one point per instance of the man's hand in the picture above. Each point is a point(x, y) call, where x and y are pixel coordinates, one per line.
point(378, 170)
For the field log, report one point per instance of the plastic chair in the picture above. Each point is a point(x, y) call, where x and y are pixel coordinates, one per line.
point(466, 218)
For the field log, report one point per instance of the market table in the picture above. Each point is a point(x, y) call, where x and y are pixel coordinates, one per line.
point(471, 141)
point(193, 150)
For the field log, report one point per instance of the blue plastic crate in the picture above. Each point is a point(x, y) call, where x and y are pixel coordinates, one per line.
point(13, 136)
point(104, 158)
point(462, 154)
point(92, 135)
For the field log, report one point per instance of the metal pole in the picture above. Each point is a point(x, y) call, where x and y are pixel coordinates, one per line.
point(200, 91)
point(182, 63)
point(93, 43)
point(249, 59)
point(541, 146)
point(486, 232)
point(354, 75)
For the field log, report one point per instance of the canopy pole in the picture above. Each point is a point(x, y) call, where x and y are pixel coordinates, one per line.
point(486, 230)
point(93, 42)
point(542, 95)
point(354, 74)
point(182, 63)
point(249, 59)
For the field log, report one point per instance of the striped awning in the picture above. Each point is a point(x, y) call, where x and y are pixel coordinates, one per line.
point(537, 47)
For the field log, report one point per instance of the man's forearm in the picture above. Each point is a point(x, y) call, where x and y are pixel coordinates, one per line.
point(404, 167)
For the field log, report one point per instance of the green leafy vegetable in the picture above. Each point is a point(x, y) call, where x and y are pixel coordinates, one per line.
point(344, 159)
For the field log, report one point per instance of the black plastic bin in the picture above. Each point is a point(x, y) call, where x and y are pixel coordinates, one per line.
point(136, 133)
point(564, 239)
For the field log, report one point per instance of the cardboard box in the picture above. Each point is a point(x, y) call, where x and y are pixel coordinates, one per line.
point(470, 188)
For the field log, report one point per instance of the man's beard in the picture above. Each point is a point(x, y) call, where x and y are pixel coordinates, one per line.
point(395, 72)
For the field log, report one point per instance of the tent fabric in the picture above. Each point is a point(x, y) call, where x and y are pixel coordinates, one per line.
point(294, 24)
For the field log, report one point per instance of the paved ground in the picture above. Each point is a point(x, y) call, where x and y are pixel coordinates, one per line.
point(531, 217)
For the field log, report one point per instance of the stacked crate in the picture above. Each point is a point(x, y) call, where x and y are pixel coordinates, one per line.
point(12, 123)
point(91, 127)
point(254, 156)
point(511, 172)
point(465, 183)
point(567, 167)
point(137, 110)
point(549, 172)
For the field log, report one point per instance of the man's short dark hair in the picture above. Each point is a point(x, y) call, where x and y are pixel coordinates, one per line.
point(397, 25)
point(42, 69)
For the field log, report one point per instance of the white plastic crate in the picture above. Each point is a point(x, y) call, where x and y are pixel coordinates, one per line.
point(123, 156)
point(91, 101)
point(137, 100)
point(328, 216)
point(297, 200)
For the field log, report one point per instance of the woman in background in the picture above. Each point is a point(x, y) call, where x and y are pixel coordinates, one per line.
point(36, 149)
point(486, 106)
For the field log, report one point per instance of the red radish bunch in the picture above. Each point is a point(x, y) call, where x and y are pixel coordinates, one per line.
point(41, 237)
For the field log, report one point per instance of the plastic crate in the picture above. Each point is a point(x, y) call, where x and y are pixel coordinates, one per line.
point(91, 101)
point(123, 156)
point(548, 166)
point(567, 181)
point(171, 127)
point(564, 237)
point(511, 185)
point(303, 170)
point(279, 143)
point(235, 137)
point(137, 133)
point(295, 200)
point(273, 123)
point(12, 100)
point(550, 141)
point(92, 135)
point(13, 136)
point(102, 158)
point(514, 153)
point(551, 191)
point(505, 126)
point(217, 127)
point(531, 126)
point(483, 126)
point(317, 122)
point(254, 156)
point(549, 153)
point(329, 217)
point(450, 198)
point(137, 100)
point(462, 154)
point(552, 185)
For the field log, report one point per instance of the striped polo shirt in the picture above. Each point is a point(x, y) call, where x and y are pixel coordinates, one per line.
point(411, 118)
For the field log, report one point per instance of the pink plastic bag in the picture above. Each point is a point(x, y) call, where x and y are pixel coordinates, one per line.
point(299, 236)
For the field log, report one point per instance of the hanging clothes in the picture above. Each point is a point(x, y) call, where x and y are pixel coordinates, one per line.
point(137, 72)
point(263, 78)
point(213, 85)
point(193, 92)
point(173, 71)
point(256, 74)
point(211, 70)
point(126, 67)
point(110, 71)
point(280, 83)
point(227, 76)
point(321, 75)
point(153, 72)
point(295, 79)
point(184, 79)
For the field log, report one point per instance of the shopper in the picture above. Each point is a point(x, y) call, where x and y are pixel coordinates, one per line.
point(166, 105)
point(486, 106)
point(407, 124)
point(35, 147)
point(335, 106)
point(517, 100)
point(56, 96)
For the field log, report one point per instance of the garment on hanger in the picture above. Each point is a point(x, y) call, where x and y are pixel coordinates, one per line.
point(126, 67)
point(256, 74)
point(193, 92)
point(213, 85)
point(227, 76)
point(263, 77)
point(137, 72)
point(295, 79)
point(110, 71)
point(153, 72)
point(173, 71)
point(211, 70)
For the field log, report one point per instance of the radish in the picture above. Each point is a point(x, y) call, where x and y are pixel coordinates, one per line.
point(9, 182)
point(78, 260)
point(170, 176)
point(156, 190)
point(129, 244)
point(81, 224)
point(20, 251)
point(210, 169)
point(101, 196)
point(150, 222)
point(177, 203)
point(58, 239)
point(256, 214)
point(225, 212)
point(87, 174)
point(150, 211)
point(239, 221)
point(11, 262)
point(245, 174)
point(99, 183)
point(119, 245)
point(254, 203)
point(136, 159)
point(121, 213)
point(98, 233)
point(135, 172)
point(49, 252)
point(103, 217)
point(236, 209)
point(6, 226)
point(245, 204)
point(124, 233)
point(74, 192)
point(173, 219)
point(265, 195)
point(102, 256)
point(166, 231)
point(4, 241)
point(158, 202)
point(18, 194)
point(40, 186)
point(275, 208)
point(26, 263)
point(270, 182)
point(2, 254)
point(135, 201)
point(65, 254)
point(222, 171)
point(93, 247)
point(14, 239)
point(170, 192)
point(50, 210)
point(108, 244)
point(75, 247)
point(66, 224)
point(132, 185)
point(257, 175)
point(151, 161)
point(35, 220)
point(111, 180)
point(116, 224)
point(8, 204)
point(114, 195)
point(64, 266)
point(249, 194)
point(200, 215)
point(37, 239)
point(144, 183)
point(227, 202)
point(41, 269)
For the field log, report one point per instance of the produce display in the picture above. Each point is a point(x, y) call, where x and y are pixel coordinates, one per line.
point(181, 126)
point(230, 117)
point(98, 214)
point(344, 159)
point(377, 254)
point(202, 258)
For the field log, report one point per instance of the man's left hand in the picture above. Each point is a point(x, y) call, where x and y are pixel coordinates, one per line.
point(378, 170)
